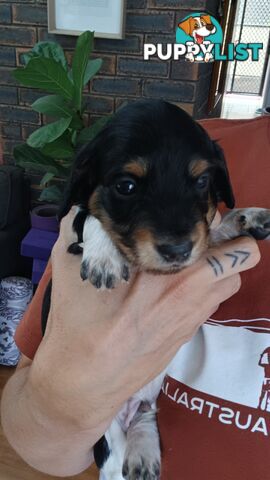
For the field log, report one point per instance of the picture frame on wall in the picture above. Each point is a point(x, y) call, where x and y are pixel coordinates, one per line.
point(72, 17)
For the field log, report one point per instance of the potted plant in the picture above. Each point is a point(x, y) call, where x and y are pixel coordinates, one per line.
point(49, 150)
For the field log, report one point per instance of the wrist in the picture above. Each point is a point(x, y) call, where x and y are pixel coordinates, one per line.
point(46, 445)
point(63, 396)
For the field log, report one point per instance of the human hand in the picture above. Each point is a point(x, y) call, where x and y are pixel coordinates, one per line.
point(101, 347)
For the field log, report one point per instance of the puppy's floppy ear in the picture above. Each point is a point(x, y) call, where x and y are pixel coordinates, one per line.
point(83, 179)
point(207, 19)
point(222, 183)
point(186, 25)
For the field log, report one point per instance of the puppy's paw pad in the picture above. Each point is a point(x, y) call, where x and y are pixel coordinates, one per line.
point(99, 276)
point(110, 281)
point(96, 277)
point(84, 272)
point(104, 273)
point(141, 469)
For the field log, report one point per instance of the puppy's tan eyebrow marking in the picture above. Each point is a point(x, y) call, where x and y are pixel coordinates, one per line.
point(144, 235)
point(198, 167)
point(136, 167)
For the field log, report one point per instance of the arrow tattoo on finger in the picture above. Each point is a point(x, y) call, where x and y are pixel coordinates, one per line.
point(237, 255)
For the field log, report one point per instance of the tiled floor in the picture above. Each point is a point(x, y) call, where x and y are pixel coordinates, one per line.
point(12, 467)
point(240, 106)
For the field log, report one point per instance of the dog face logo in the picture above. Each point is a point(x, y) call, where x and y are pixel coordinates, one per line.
point(199, 38)
point(199, 32)
point(198, 27)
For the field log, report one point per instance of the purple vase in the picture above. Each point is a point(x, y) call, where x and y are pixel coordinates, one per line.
point(44, 217)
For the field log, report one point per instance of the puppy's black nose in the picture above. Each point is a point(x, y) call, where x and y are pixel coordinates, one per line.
point(178, 252)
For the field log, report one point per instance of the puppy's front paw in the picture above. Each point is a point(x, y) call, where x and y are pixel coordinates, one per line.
point(208, 57)
point(256, 221)
point(252, 221)
point(103, 273)
point(190, 57)
point(142, 457)
point(102, 263)
point(139, 467)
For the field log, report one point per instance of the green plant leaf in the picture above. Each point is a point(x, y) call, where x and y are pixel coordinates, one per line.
point(89, 133)
point(47, 50)
point(80, 59)
point(31, 158)
point(93, 66)
point(60, 148)
point(77, 122)
point(53, 105)
point(47, 177)
point(48, 133)
point(47, 74)
point(51, 194)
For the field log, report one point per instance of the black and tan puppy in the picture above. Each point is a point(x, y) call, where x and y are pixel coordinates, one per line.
point(147, 189)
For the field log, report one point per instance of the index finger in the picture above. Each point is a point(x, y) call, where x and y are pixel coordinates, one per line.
point(231, 257)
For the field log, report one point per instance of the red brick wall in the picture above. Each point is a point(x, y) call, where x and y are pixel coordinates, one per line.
point(124, 74)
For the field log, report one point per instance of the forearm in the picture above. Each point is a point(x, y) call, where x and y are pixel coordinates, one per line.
point(51, 445)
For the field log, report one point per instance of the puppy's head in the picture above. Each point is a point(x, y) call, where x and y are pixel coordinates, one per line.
point(198, 27)
point(153, 178)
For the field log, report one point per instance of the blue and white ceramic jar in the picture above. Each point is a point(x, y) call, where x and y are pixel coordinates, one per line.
point(15, 295)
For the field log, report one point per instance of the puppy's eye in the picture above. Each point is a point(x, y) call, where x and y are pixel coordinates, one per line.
point(126, 187)
point(202, 182)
